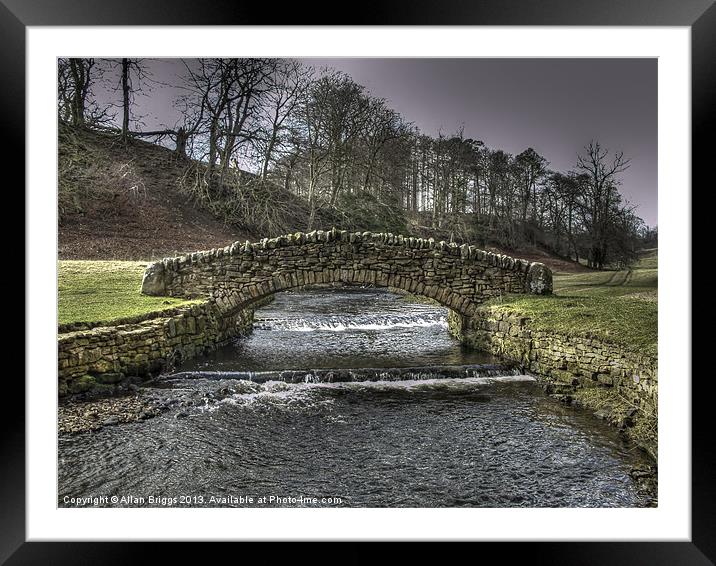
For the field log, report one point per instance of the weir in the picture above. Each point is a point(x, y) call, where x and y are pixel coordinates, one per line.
point(346, 375)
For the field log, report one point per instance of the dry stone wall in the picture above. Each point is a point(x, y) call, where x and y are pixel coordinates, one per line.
point(109, 355)
point(459, 277)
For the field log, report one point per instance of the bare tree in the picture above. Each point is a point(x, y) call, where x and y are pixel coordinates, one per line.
point(75, 79)
point(226, 93)
point(601, 196)
point(531, 169)
point(133, 75)
point(285, 92)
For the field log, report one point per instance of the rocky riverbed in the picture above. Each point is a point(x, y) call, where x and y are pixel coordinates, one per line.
point(76, 416)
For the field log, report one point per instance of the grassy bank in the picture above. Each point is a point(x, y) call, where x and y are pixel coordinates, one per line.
point(617, 306)
point(105, 291)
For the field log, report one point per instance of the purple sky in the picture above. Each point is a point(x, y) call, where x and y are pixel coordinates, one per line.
point(555, 106)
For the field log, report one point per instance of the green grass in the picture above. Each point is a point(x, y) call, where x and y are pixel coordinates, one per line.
point(105, 291)
point(649, 259)
point(618, 306)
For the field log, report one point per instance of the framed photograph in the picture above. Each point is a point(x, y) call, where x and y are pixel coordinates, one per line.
point(422, 276)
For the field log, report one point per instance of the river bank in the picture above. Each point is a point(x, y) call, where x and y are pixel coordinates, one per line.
point(616, 384)
point(593, 343)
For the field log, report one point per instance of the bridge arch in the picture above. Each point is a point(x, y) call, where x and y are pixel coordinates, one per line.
point(458, 277)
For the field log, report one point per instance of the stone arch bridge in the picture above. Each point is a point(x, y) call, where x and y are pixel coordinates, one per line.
point(458, 277)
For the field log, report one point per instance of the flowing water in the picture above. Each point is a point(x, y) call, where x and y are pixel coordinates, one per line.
point(351, 398)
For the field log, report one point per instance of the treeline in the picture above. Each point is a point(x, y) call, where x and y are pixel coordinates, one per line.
point(275, 145)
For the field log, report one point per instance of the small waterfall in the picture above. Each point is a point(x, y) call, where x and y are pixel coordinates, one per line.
point(338, 323)
point(341, 375)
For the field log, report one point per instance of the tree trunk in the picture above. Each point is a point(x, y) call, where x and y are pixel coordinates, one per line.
point(182, 139)
point(267, 157)
point(125, 98)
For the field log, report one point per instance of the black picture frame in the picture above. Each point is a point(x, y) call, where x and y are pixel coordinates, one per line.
point(700, 15)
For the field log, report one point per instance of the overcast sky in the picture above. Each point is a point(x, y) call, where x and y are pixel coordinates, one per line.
point(555, 106)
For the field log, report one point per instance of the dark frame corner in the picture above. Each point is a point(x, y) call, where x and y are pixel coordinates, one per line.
point(16, 15)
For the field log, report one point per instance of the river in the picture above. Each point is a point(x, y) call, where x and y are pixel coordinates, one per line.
point(283, 418)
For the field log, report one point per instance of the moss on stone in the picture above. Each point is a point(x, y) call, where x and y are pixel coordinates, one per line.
point(637, 418)
point(82, 384)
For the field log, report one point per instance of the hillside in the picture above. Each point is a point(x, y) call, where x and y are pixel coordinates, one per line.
point(120, 201)
point(124, 201)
